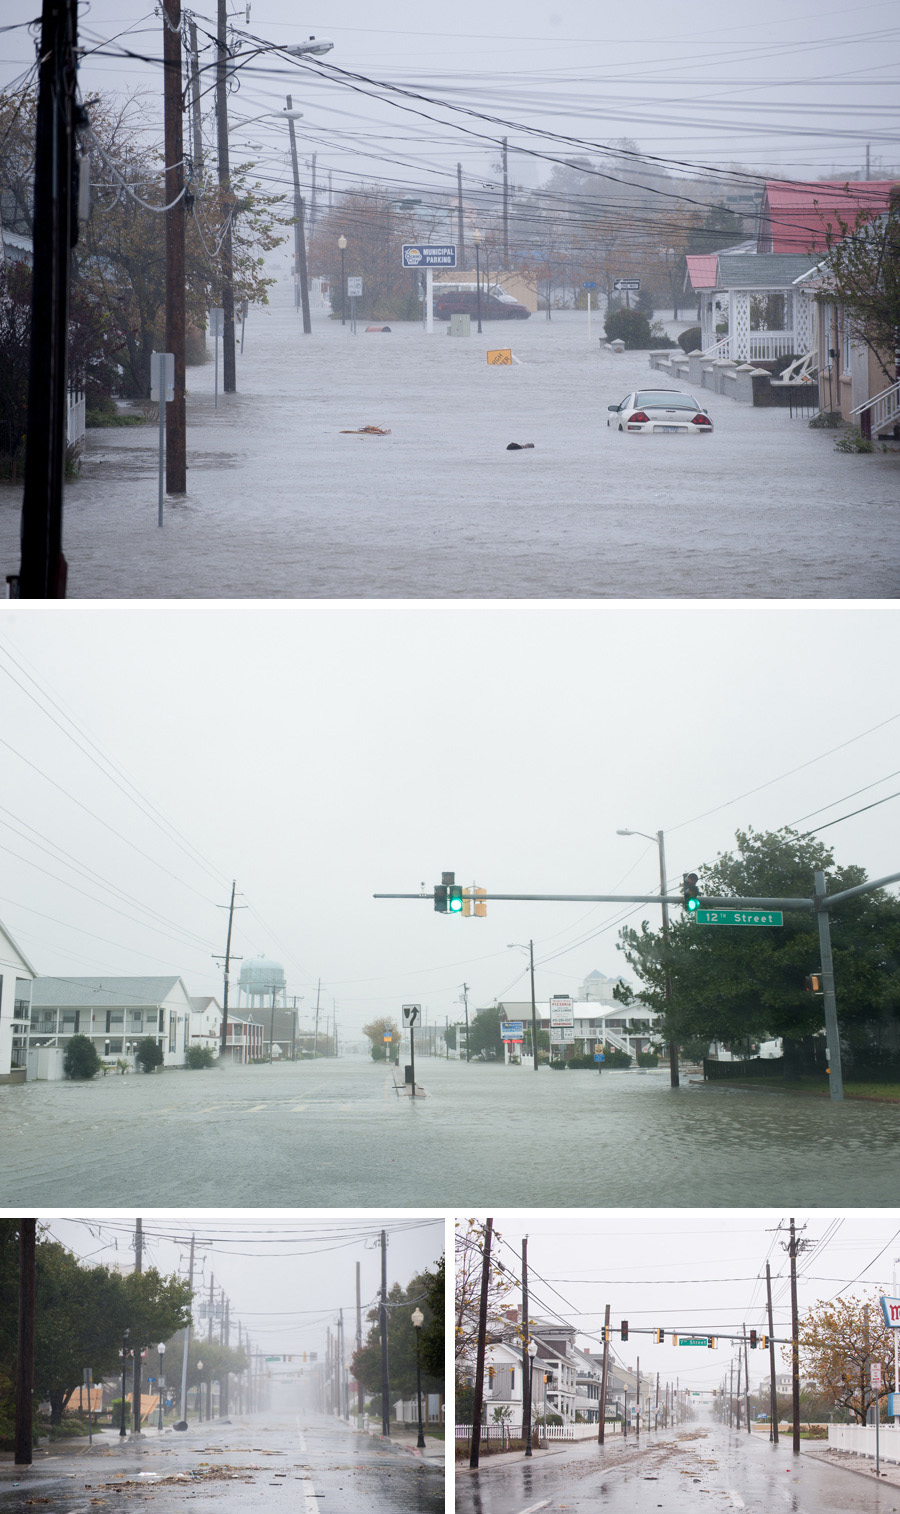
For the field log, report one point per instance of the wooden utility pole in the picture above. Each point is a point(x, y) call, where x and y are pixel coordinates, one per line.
point(478, 1399)
point(383, 1323)
point(461, 254)
point(226, 253)
point(601, 1428)
point(25, 1345)
point(505, 204)
point(300, 268)
point(138, 1345)
point(176, 441)
point(360, 1393)
point(195, 100)
point(773, 1391)
point(795, 1346)
point(223, 1044)
point(526, 1359)
point(42, 572)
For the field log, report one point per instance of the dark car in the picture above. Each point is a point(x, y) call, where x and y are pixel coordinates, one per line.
point(492, 309)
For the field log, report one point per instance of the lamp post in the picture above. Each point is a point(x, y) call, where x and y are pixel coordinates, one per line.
point(199, 1390)
point(159, 1383)
point(418, 1320)
point(477, 238)
point(124, 1360)
point(534, 1040)
point(342, 244)
point(660, 841)
point(532, 1353)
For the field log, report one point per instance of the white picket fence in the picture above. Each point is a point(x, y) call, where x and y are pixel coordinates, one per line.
point(513, 1431)
point(860, 1440)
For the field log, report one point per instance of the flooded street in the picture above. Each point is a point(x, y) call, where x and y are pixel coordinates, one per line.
point(336, 1133)
point(282, 504)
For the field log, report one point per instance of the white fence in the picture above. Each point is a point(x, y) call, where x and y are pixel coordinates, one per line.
point(513, 1431)
point(75, 420)
point(860, 1440)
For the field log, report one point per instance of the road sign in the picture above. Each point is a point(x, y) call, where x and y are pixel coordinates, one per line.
point(599, 1057)
point(693, 1340)
point(162, 375)
point(632, 284)
point(893, 1407)
point(589, 286)
point(354, 288)
point(511, 1028)
point(890, 1308)
point(875, 1374)
point(411, 1013)
point(388, 1036)
point(563, 1035)
point(739, 916)
point(500, 357)
point(428, 255)
point(562, 1010)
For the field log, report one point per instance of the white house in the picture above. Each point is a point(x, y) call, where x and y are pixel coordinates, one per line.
point(116, 1013)
point(16, 976)
point(206, 1023)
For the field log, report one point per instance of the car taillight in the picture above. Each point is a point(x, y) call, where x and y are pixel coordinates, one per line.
point(701, 420)
point(638, 416)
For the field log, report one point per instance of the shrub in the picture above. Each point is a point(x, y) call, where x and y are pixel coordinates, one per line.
point(581, 1062)
point(690, 340)
point(827, 420)
point(659, 337)
point(630, 327)
point(648, 1059)
point(644, 302)
point(148, 1054)
point(854, 441)
point(81, 1059)
point(199, 1056)
point(617, 1058)
point(558, 1066)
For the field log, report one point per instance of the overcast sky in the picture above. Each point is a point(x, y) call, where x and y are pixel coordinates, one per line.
point(321, 753)
point(795, 88)
point(698, 1274)
point(286, 1275)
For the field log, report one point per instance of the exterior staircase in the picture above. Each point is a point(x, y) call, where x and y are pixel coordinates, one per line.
point(881, 413)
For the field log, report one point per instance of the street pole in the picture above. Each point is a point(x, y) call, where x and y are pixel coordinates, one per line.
point(459, 215)
point(42, 572)
point(187, 1337)
point(773, 1392)
point(272, 1027)
point(316, 1039)
point(832, 1032)
point(476, 238)
point(122, 1431)
point(795, 1346)
point(175, 419)
point(746, 1380)
point(383, 1320)
point(673, 1045)
point(465, 989)
point(197, 165)
point(534, 1034)
point(342, 244)
point(360, 1395)
point(209, 1336)
point(136, 1372)
point(478, 1402)
point(601, 1429)
point(505, 204)
point(159, 1387)
point(420, 1442)
point(223, 1044)
point(299, 232)
point(24, 1433)
point(229, 380)
point(526, 1359)
point(637, 1398)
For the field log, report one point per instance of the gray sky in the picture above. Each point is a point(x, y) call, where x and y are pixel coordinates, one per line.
point(286, 1275)
point(794, 88)
point(701, 1273)
point(320, 753)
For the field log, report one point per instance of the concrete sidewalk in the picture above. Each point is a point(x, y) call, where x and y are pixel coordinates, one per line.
point(434, 1452)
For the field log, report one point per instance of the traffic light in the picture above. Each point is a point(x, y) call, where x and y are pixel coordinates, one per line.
point(660, 1337)
point(474, 902)
point(455, 899)
point(442, 893)
point(606, 1334)
point(623, 1329)
point(763, 1341)
point(690, 891)
point(711, 1342)
point(813, 984)
point(752, 1340)
point(440, 898)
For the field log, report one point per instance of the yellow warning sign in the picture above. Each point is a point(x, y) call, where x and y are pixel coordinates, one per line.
point(500, 356)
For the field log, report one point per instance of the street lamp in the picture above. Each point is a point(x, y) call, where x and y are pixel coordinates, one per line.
point(199, 1390)
point(660, 841)
point(530, 950)
point(124, 1360)
point(477, 238)
point(342, 244)
point(418, 1320)
point(159, 1384)
point(532, 1353)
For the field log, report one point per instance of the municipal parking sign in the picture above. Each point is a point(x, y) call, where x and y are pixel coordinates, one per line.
point(428, 255)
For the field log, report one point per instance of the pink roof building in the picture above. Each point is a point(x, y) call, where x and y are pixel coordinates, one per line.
point(797, 217)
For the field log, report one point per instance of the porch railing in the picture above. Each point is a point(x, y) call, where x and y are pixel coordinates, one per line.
point(882, 408)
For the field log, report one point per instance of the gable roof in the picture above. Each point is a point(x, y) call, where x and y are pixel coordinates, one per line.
point(702, 267)
point(796, 217)
point(17, 949)
point(104, 993)
point(763, 270)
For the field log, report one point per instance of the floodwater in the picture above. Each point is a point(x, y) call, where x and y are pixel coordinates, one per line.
point(337, 1133)
point(281, 503)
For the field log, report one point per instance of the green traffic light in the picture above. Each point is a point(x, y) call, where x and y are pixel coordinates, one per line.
point(693, 904)
point(455, 901)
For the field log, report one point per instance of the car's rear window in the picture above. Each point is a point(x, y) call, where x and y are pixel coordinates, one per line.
point(670, 401)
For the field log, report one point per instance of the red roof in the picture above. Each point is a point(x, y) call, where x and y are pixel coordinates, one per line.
point(796, 217)
point(702, 269)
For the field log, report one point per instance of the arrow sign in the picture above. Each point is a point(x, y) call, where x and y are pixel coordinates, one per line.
point(633, 284)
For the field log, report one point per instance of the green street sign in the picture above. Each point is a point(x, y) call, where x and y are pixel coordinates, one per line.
point(691, 1340)
point(739, 917)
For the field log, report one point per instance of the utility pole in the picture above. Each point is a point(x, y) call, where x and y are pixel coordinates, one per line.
point(534, 1030)
point(301, 288)
point(312, 197)
point(226, 254)
point(42, 572)
point(505, 204)
point(526, 1359)
point(24, 1443)
point(187, 1337)
point(478, 1403)
point(209, 1336)
point(360, 1395)
point(195, 100)
point(226, 1324)
point(832, 1032)
point(773, 1392)
point(176, 425)
point(231, 908)
point(795, 1346)
point(136, 1373)
point(383, 1322)
point(316, 1039)
point(272, 1027)
point(459, 217)
point(601, 1428)
point(465, 989)
point(637, 1397)
point(746, 1380)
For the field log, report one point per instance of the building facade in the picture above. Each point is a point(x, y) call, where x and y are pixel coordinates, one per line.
point(115, 1013)
point(16, 977)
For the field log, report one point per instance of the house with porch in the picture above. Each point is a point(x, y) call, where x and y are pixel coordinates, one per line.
point(16, 977)
point(768, 313)
point(115, 1013)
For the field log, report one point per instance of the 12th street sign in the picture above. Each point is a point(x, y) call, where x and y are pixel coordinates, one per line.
point(428, 255)
point(738, 916)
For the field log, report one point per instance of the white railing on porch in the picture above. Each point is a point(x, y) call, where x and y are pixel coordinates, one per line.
point(883, 408)
point(718, 349)
point(762, 347)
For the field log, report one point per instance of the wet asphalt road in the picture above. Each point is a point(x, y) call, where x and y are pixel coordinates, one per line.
point(335, 1132)
point(682, 1471)
point(271, 1462)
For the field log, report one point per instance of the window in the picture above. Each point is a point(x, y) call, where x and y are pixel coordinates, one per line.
point(114, 1046)
point(70, 1021)
point(115, 1018)
point(173, 1032)
point(22, 999)
point(136, 1020)
point(161, 1024)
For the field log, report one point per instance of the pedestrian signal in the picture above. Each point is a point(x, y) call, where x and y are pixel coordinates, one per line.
point(690, 891)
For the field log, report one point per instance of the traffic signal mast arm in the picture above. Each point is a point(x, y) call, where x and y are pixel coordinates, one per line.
point(731, 902)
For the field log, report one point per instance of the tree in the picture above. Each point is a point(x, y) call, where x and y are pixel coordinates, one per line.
point(376, 1030)
point(734, 985)
point(628, 326)
point(375, 227)
point(469, 1253)
point(484, 1035)
point(81, 1059)
point(148, 1054)
point(862, 273)
point(425, 1292)
point(839, 1342)
point(720, 227)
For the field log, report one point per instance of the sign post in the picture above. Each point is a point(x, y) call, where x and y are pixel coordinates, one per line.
point(429, 256)
point(354, 290)
point(589, 287)
point(216, 317)
point(162, 388)
point(411, 1014)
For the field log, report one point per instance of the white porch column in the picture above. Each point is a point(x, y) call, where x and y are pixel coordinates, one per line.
point(739, 324)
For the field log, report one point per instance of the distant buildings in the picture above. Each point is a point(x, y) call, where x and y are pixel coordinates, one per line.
point(16, 975)
point(115, 1013)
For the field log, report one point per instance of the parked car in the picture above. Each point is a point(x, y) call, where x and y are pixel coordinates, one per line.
point(465, 302)
point(665, 410)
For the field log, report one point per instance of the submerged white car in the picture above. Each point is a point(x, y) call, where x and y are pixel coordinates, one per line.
point(666, 410)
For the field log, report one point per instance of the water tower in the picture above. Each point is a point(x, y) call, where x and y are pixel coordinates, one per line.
point(259, 976)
